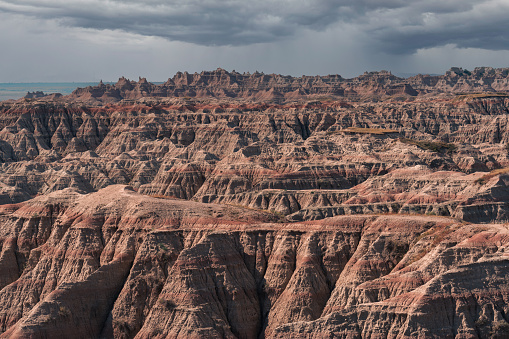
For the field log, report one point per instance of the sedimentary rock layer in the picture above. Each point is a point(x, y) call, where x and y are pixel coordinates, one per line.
point(173, 268)
point(302, 160)
point(258, 206)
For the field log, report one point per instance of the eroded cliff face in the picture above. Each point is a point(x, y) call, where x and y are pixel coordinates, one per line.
point(258, 206)
point(300, 160)
point(119, 264)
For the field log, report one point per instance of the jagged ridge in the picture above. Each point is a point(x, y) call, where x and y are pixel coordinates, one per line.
point(279, 88)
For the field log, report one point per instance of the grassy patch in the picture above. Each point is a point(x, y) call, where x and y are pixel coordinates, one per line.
point(432, 237)
point(161, 196)
point(361, 130)
point(463, 96)
point(434, 146)
point(482, 180)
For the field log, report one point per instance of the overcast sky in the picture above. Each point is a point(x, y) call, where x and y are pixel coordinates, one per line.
point(89, 40)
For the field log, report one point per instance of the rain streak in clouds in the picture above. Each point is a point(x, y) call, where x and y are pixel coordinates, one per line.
point(392, 26)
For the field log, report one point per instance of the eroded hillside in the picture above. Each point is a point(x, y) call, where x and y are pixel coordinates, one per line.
point(172, 268)
point(373, 207)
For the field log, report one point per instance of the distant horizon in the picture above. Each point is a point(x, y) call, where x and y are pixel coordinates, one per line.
point(160, 81)
point(17, 90)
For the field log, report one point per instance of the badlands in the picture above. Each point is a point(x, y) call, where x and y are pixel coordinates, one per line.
point(229, 205)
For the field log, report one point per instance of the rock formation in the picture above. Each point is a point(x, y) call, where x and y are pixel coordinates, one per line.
point(279, 88)
point(258, 206)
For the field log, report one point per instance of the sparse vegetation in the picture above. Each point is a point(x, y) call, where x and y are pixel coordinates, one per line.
point(64, 312)
point(168, 303)
point(325, 98)
point(482, 321)
point(442, 234)
point(482, 180)
point(500, 329)
point(470, 96)
point(280, 217)
point(161, 196)
point(397, 247)
point(362, 130)
point(434, 146)
point(23, 265)
point(434, 237)
point(158, 196)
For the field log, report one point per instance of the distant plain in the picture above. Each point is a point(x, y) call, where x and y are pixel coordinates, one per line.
point(19, 90)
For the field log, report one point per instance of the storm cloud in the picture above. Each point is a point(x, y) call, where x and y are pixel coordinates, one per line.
point(391, 26)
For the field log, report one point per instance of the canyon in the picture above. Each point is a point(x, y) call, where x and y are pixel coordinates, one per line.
point(229, 205)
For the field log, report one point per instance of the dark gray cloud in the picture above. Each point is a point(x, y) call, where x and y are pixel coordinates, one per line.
point(465, 24)
point(394, 26)
point(209, 22)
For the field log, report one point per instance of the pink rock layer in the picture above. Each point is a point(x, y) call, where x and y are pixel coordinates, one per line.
point(122, 265)
point(227, 205)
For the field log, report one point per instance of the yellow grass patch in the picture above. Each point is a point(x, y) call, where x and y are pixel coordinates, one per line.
point(481, 95)
point(361, 130)
point(492, 174)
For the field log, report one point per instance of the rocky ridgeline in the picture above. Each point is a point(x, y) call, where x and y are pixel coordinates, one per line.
point(221, 205)
point(277, 88)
